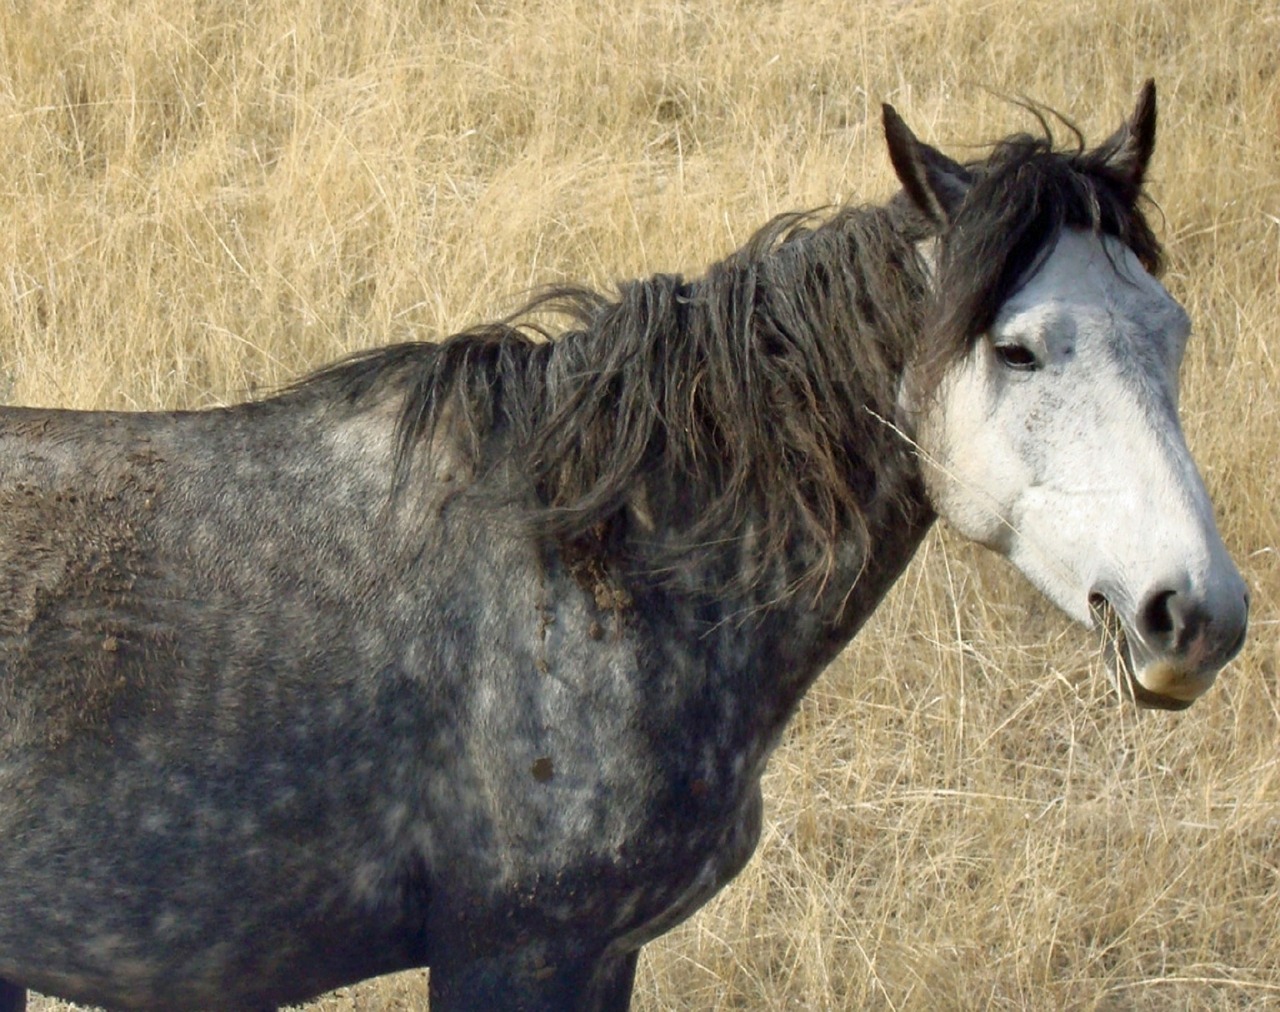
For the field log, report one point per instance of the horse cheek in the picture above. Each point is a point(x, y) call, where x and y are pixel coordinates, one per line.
point(973, 471)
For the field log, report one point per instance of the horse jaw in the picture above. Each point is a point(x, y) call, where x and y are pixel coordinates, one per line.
point(1076, 469)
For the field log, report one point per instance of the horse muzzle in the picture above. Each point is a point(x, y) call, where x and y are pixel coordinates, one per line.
point(1169, 653)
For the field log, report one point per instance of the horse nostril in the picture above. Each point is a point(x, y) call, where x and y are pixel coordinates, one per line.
point(1179, 624)
point(1161, 621)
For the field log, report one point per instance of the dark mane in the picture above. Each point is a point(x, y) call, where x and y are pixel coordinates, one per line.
point(752, 397)
point(750, 404)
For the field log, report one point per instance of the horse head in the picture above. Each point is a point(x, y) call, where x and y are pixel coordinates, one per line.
point(1052, 435)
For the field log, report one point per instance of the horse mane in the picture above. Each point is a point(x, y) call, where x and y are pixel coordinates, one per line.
point(750, 405)
point(754, 396)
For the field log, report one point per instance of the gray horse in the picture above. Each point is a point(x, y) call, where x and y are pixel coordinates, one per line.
point(472, 654)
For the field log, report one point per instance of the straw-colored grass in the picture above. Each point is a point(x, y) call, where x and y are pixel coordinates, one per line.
point(202, 199)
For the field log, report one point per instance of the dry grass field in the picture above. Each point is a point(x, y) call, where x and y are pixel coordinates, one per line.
point(199, 200)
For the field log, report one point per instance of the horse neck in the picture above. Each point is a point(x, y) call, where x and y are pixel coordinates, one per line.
point(804, 632)
point(765, 628)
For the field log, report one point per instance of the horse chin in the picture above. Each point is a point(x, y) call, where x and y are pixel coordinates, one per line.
point(1152, 683)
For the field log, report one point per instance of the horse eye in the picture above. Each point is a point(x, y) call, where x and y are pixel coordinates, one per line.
point(1016, 356)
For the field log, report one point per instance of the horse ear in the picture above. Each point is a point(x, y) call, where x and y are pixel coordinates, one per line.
point(1128, 150)
point(933, 182)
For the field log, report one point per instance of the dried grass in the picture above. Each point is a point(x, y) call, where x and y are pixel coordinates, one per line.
point(203, 199)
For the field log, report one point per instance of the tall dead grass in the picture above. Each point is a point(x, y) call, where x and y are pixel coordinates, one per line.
point(202, 199)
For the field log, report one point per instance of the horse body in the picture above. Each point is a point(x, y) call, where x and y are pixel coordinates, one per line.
point(472, 655)
point(298, 752)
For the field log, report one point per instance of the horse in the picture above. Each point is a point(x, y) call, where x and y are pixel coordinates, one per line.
point(471, 654)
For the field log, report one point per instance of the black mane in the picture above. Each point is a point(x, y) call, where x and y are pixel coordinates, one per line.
point(749, 404)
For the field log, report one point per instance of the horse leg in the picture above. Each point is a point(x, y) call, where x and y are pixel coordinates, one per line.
point(12, 997)
point(601, 983)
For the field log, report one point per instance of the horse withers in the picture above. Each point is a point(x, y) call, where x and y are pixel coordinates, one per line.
point(471, 655)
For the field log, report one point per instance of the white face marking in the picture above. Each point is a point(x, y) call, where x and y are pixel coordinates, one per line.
point(1057, 443)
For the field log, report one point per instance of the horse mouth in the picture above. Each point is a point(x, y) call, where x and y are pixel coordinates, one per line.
point(1123, 665)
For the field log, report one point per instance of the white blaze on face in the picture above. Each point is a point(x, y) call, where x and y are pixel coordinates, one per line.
point(1057, 443)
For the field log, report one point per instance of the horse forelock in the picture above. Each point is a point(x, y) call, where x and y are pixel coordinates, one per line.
point(1025, 192)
